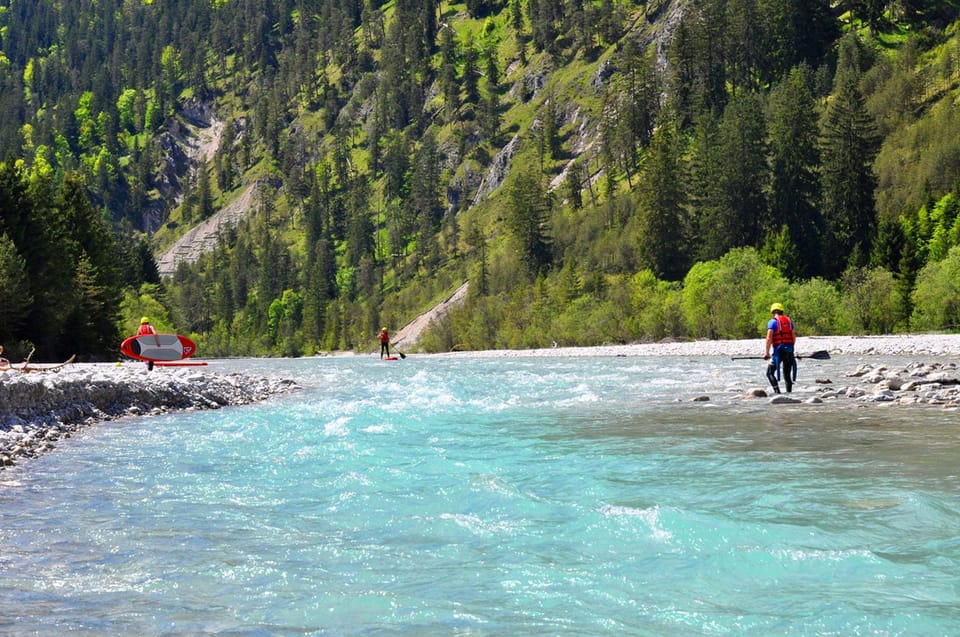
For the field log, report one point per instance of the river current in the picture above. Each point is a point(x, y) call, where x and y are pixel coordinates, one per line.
point(494, 496)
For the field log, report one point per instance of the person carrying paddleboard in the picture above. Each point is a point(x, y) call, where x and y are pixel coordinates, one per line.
point(146, 328)
point(781, 337)
point(384, 342)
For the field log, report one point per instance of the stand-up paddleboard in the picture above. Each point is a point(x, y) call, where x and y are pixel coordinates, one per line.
point(389, 358)
point(181, 363)
point(158, 347)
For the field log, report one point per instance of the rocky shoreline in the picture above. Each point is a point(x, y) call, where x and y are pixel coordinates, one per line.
point(920, 345)
point(38, 409)
point(917, 383)
point(933, 382)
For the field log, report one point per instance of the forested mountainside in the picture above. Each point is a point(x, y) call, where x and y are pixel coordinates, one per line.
point(599, 171)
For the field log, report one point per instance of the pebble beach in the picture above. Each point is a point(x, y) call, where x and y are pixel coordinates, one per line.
point(38, 408)
point(925, 346)
point(41, 407)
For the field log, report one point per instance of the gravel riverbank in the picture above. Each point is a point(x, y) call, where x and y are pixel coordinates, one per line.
point(920, 345)
point(931, 378)
point(39, 408)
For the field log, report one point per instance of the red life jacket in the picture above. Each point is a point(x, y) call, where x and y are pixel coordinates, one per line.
point(384, 337)
point(784, 334)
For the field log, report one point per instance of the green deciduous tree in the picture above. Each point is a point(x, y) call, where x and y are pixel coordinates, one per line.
point(729, 298)
point(781, 252)
point(657, 306)
point(936, 297)
point(871, 300)
point(816, 307)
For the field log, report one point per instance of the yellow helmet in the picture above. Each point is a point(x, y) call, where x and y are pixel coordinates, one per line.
point(144, 320)
point(383, 329)
point(776, 307)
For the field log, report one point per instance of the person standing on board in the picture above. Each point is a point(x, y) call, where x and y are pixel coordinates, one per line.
point(146, 328)
point(384, 342)
point(781, 338)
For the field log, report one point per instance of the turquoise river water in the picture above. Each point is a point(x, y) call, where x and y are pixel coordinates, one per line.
point(490, 496)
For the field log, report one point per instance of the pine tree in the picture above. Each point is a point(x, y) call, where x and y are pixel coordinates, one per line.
point(93, 319)
point(794, 161)
point(729, 177)
point(471, 72)
point(448, 73)
point(15, 283)
point(663, 241)
point(478, 242)
point(794, 32)
point(425, 185)
point(849, 145)
point(744, 52)
point(744, 170)
point(705, 189)
point(528, 205)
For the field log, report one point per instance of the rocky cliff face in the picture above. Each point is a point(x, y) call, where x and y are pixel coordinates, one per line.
point(204, 237)
point(191, 141)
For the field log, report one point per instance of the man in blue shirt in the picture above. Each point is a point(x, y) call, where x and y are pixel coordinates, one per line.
point(781, 338)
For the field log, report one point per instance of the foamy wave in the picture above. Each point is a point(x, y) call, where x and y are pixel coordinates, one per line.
point(650, 516)
point(337, 427)
point(829, 555)
point(378, 429)
point(477, 525)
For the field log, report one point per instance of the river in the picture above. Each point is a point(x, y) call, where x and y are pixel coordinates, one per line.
point(464, 495)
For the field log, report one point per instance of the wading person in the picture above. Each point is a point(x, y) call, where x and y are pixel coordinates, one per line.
point(781, 338)
point(384, 343)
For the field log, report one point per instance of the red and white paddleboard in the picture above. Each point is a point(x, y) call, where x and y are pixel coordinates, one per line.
point(158, 347)
point(181, 363)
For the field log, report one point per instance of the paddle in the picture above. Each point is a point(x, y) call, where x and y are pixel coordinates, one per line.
point(402, 355)
point(820, 355)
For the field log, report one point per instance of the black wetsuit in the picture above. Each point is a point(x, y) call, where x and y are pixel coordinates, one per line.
point(787, 362)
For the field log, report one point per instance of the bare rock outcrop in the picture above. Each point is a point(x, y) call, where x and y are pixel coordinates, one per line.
point(410, 333)
point(204, 237)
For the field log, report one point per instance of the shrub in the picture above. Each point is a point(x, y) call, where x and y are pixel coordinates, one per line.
point(936, 296)
point(731, 297)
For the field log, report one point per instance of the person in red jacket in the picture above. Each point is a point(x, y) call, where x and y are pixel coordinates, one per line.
point(146, 328)
point(384, 342)
point(781, 337)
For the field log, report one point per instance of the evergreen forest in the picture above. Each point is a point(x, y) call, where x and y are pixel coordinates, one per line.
point(598, 171)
